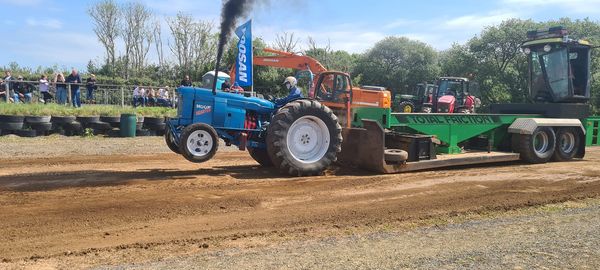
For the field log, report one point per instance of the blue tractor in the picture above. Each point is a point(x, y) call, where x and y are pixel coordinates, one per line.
point(300, 138)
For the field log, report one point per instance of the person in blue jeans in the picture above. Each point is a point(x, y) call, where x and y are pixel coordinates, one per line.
point(75, 80)
point(22, 91)
point(61, 89)
point(91, 87)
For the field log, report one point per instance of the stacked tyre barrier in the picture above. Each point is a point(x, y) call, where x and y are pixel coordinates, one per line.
point(154, 125)
point(32, 126)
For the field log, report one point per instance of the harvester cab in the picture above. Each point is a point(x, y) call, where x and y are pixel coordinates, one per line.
point(559, 67)
point(559, 76)
point(455, 95)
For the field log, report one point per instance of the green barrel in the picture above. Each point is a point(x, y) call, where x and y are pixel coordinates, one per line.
point(127, 126)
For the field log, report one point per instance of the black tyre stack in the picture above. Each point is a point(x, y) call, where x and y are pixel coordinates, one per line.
point(31, 126)
point(113, 121)
point(155, 125)
point(9, 124)
point(64, 125)
point(37, 126)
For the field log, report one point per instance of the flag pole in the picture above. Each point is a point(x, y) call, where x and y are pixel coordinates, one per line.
point(252, 67)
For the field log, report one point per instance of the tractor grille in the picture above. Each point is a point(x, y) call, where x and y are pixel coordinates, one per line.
point(179, 105)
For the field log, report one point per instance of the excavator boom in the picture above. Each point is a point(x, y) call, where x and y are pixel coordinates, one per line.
point(359, 97)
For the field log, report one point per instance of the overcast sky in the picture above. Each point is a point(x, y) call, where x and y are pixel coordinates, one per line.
point(49, 32)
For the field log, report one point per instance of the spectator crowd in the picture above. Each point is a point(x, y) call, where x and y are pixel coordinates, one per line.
point(61, 90)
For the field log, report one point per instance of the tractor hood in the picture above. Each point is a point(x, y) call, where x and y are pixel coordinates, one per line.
point(236, 100)
point(446, 99)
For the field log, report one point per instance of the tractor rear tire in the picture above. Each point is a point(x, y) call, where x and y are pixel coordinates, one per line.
point(567, 144)
point(199, 142)
point(304, 138)
point(171, 142)
point(406, 107)
point(539, 146)
point(261, 156)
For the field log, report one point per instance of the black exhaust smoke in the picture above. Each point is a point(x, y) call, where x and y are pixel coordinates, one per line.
point(231, 12)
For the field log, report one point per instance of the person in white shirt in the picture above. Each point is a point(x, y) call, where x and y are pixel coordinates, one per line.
point(163, 97)
point(138, 96)
point(44, 87)
point(143, 96)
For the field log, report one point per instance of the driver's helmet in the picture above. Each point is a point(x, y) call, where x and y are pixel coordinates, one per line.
point(291, 80)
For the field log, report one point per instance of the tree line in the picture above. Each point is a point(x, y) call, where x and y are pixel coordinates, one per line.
point(129, 32)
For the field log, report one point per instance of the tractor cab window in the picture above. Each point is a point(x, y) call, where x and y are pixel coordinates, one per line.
point(538, 80)
point(579, 70)
point(430, 89)
point(557, 72)
point(450, 88)
point(419, 90)
point(333, 88)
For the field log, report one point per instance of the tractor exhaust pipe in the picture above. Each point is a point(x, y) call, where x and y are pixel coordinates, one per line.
point(214, 86)
point(230, 12)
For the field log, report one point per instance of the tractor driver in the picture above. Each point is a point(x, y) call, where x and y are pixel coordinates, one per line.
point(295, 92)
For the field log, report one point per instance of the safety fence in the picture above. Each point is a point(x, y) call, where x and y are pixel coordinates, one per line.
point(122, 95)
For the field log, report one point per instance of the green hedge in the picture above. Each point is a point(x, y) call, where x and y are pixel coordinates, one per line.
point(88, 110)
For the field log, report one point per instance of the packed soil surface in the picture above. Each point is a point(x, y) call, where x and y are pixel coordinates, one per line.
point(125, 202)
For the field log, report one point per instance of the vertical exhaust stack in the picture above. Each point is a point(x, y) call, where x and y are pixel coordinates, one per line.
point(232, 10)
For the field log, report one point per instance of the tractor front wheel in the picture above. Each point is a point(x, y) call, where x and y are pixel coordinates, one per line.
point(406, 107)
point(171, 141)
point(199, 142)
point(304, 138)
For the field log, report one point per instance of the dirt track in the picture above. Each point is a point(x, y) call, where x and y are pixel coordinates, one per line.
point(105, 209)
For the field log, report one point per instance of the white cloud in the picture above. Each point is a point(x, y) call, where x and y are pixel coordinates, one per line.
point(476, 21)
point(46, 23)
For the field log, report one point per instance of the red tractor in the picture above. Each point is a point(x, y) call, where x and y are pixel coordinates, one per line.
point(455, 95)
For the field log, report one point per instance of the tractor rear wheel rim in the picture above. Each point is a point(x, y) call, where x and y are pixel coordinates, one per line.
point(308, 139)
point(541, 143)
point(200, 143)
point(566, 142)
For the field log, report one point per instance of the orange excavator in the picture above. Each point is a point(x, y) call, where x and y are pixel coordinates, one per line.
point(332, 88)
